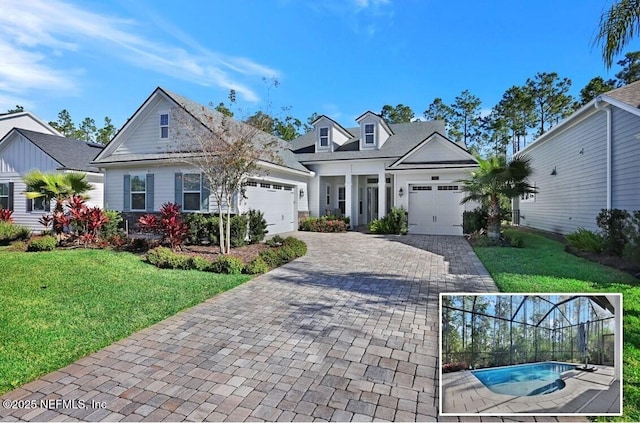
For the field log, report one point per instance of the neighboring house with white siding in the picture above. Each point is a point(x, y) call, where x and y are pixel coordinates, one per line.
point(364, 171)
point(24, 120)
point(143, 170)
point(23, 150)
point(588, 162)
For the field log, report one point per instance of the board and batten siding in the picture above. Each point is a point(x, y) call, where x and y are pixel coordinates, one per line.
point(574, 196)
point(625, 163)
point(20, 155)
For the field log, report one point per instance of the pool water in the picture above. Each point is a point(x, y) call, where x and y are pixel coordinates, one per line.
point(524, 379)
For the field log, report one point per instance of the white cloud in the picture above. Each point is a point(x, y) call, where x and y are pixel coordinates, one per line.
point(34, 37)
point(363, 16)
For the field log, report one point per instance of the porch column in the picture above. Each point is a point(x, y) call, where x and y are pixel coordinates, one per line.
point(355, 210)
point(382, 195)
point(314, 195)
point(348, 203)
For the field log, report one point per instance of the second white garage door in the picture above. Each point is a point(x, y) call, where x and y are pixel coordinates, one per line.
point(276, 201)
point(435, 209)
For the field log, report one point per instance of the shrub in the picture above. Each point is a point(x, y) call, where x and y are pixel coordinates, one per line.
point(585, 240)
point(271, 257)
point(474, 220)
point(170, 225)
point(227, 264)
point(46, 243)
point(632, 249)
point(112, 227)
point(197, 228)
point(5, 215)
point(257, 226)
point(201, 264)
point(239, 230)
point(10, 232)
point(616, 227)
point(166, 258)
point(453, 367)
point(515, 240)
point(395, 222)
point(323, 224)
point(256, 267)
point(298, 246)
point(275, 241)
point(18, 246)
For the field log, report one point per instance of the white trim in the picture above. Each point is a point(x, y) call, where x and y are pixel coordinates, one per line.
point(321, 137)
point(372, 134)
point(142, 176)
point(161, 126)
point(198, 191)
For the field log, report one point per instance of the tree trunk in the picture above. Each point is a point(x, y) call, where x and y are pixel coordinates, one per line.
point(228, 226)
point(493, 224)
point(220, 225)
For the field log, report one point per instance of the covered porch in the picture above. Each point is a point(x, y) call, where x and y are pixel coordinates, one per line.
point(362, 198)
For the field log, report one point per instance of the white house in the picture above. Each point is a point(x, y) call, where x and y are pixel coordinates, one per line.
point(587, 163)
point(364, 171)
point(23, 150)
point(143, 170)
point(24, 120)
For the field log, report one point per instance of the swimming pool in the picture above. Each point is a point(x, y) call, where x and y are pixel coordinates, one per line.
point(524, 379)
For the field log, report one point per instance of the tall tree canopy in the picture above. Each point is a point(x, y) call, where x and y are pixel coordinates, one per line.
point(630, 68)
point(466, 118)
point(550, 95)
point(86, 131)
point(397, 114)
point(594, 88)
point(16, 109)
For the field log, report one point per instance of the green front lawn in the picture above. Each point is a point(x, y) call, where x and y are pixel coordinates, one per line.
point(544, 266)
point(58, 306)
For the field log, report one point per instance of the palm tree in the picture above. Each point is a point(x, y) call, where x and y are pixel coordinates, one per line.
point(55, 186)
point(618, 26)
point(497, 177)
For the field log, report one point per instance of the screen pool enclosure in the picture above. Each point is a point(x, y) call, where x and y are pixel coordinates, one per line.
point(480, 331)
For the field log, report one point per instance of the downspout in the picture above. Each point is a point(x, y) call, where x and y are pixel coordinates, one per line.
point(599, 106)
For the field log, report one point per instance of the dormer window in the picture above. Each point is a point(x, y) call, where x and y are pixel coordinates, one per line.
point(369, 134)
point(164, 125)
point(324, 137)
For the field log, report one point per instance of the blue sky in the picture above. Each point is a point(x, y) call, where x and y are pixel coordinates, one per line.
point(335, 57)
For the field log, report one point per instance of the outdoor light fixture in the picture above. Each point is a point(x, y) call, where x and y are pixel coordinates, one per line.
point(554, 172)
point(301, 192)
point(401, 192)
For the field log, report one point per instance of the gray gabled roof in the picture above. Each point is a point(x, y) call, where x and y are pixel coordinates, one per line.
point(71, 154)
point(406, 136)
point(206, 114)
point(629, 94)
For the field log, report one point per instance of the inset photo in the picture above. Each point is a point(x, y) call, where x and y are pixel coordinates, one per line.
point(531, 354)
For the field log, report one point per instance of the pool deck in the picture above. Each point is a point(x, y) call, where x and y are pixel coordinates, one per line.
point(587, 393)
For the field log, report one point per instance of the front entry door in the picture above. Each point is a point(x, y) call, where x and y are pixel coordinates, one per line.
point(372, 203)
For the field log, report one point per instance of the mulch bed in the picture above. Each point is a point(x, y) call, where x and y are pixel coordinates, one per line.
point(610, 261)
point(210, 252)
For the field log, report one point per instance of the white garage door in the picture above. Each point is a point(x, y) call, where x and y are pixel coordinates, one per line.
point(435, 210)
point(276, 202)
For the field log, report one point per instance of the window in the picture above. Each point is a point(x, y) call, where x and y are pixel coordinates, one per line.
point(421, 188)
point(138, 192)
point(529, 196)
point(263, 185)
point(278, 187)
point(251, 184)
point(288, 188)
point(4, 195)
point(328, 195)
point(324, 137)
point(341, 200)
point(40, 204)
point(369, 133)
point(447, 188)
point(191, 185)
point(164, 126)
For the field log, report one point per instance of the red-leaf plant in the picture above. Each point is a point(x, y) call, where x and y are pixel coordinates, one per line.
point(5, 215)
point(86, 221)
point(170, 224)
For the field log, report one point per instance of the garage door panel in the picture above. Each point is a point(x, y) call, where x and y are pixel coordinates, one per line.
point(276, 202)
point(435, 210)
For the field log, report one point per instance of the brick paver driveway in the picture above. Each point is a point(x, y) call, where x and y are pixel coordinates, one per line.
point(348, 332)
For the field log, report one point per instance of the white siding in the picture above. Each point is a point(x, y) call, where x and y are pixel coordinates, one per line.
point(574, 196)
point(143, 136)
point(436, 150)
point(7, 123)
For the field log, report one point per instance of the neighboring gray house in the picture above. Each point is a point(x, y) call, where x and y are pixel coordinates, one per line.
point(23, 150)
point(363, 172)
point(144, 169)
point(588, 162)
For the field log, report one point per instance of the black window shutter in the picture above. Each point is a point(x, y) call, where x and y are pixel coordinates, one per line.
point(126, 204)
point(150, 190)
point(11, 187)
point(178, 189)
